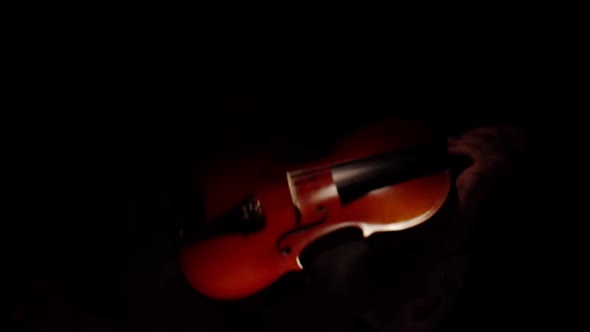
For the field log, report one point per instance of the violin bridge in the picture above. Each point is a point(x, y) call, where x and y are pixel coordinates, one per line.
point(293, 191)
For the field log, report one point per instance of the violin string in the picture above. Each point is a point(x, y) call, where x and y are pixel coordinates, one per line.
point(307, 171)
point(307, 176)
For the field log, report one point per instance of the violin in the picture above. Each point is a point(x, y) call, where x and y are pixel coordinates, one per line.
point(261, 213)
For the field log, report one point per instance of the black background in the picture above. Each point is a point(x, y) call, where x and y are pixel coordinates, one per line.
point(145, 96)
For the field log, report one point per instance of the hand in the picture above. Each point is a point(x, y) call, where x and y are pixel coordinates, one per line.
point(492, 150)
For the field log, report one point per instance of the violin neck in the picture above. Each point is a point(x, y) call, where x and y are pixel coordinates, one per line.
point(356, 178)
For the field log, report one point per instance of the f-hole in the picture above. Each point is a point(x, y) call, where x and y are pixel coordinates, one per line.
point(285, 250)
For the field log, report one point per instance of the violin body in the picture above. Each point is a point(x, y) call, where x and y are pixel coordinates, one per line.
point(262, 214)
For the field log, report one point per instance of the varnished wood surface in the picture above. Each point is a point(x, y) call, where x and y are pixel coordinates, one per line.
point(236, 266)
